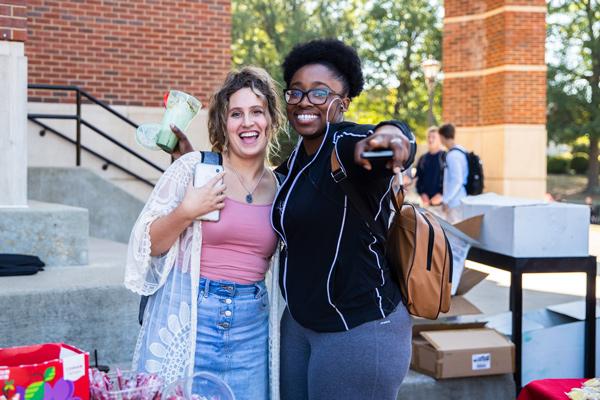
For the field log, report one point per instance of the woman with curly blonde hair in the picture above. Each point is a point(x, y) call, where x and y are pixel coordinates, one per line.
point(209, 307)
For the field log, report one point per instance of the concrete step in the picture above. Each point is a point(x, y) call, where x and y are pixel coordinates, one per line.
point(112, 210)
point(87, 306)
point(56, 233)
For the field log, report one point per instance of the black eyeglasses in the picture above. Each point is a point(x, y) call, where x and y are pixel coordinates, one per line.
point(314, 96)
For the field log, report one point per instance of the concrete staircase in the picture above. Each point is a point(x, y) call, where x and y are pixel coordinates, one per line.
point(79, 224)
point(86, 306)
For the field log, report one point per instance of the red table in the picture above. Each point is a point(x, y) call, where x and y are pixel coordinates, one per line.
point(549, 389)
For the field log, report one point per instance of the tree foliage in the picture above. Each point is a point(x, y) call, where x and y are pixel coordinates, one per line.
point(574, 76)
point(396, 37)
point(392, 37)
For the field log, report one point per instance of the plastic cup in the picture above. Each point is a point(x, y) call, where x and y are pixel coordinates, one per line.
point(181, 109)
point(200, 386)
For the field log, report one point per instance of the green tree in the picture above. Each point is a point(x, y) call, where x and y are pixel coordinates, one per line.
point(397, 36)
point(574, 77)
point(392, 37)
point(264, 31)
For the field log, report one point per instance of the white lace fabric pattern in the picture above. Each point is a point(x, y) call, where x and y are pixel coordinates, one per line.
point(167, 339)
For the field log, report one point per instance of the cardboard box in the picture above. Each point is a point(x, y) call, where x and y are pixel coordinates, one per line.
point(452, 351)
point(46, 371)
point(530, 228)
point(461, 236)
point(459, 304)
point(553, 340)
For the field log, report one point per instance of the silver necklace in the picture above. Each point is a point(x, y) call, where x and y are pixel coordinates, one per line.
point(249, 198)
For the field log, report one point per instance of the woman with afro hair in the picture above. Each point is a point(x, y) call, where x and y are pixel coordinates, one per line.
point(345, 333)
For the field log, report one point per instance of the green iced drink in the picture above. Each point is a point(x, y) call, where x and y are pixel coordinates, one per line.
point(181, 109)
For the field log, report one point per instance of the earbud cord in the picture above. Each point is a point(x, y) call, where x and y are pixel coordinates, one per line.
point(327, 114)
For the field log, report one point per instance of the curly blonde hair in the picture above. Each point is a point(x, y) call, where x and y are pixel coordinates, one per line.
point(261, 83)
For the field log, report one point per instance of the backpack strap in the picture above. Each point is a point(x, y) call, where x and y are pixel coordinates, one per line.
point(211, 157)
point(356, 200)
point(457, 149)
point(460, 150)
point(337, 172)
point(466, 156)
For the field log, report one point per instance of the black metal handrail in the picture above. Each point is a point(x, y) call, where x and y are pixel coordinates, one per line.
point(79, 121)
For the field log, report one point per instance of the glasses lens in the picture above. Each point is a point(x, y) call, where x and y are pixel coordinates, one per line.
point(318, 96)
point(293, 96)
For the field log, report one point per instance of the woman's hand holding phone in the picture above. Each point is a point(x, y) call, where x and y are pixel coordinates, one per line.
point(387, 142)
point(204, 199)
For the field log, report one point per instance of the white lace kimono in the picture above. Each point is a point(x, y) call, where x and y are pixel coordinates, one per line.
point(167, 339)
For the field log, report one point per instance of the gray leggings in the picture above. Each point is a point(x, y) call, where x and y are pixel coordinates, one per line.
point(366, 362)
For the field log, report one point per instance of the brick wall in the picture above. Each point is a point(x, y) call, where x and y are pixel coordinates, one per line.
point(506, 38)
point(494, 89)
point(129, 52)
point(13, 20)
point(455, 8)
point(481, 51)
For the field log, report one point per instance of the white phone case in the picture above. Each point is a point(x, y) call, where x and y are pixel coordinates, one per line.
point(202, 174)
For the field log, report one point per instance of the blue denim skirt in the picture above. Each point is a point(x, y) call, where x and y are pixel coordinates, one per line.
point(233, 335)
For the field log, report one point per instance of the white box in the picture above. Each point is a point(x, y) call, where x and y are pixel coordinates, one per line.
point(553, 341)
point(530, 228)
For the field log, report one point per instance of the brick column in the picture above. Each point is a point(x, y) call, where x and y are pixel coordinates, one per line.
point(13, 107)
point(495, 89)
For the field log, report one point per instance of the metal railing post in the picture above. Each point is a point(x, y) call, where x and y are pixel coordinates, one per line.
point(78, 132)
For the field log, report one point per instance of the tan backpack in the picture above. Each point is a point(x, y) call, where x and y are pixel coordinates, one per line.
point(417, 249)
point(420, 255)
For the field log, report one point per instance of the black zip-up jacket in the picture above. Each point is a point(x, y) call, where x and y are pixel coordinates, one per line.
point(333, 271)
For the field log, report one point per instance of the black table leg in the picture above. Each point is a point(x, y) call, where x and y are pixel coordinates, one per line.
point(516, 294)
point(511, 294)
point(590, 321)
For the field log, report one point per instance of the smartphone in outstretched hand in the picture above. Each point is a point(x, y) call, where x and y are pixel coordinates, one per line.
point(377, 155)
point(203, 173)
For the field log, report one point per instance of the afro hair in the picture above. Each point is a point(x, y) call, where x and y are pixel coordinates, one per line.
point(332, 53)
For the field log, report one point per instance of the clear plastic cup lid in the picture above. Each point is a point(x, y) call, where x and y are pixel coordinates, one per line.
point(200, 386)
point(146, 136)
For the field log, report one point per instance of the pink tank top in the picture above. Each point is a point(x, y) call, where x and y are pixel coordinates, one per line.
point(238, 247)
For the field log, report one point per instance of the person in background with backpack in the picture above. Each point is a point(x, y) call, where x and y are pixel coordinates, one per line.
point(430, 169)
point(456, 171)
point(208, 308)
